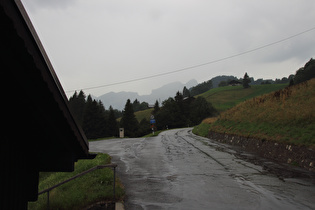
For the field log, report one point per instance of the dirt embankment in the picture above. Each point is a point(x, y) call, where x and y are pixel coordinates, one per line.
point(280, 152)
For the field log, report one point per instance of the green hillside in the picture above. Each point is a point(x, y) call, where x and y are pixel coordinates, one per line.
point(286, 115)
point(223, 98)
point(144, 114)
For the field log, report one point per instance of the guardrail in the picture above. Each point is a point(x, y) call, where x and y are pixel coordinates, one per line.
point(81, 174)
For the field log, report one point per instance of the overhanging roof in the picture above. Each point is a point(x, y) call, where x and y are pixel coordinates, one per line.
point(42, 111)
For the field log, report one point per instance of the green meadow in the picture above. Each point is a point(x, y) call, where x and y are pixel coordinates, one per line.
point(223, 98)
point(286, 115)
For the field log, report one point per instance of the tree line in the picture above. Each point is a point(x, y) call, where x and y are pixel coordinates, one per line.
point(201, 88)
point(305, 73)
point(302, 74)
point(222, 81)
point(174, 112)
point(97, 122)
point(91, 115)
point(129, 122)
point(182, 111)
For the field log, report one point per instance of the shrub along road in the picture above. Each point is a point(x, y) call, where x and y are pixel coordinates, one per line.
point(179, 170)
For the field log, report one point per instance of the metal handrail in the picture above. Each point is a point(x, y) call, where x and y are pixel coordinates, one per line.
point(81, 174)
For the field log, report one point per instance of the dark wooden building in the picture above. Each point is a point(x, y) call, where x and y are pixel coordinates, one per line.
point(38, 131)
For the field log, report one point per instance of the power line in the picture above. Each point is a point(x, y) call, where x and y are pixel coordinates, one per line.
point(199, 65)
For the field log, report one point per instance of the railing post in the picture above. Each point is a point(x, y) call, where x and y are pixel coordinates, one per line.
point(114, 184)
point(48, 207)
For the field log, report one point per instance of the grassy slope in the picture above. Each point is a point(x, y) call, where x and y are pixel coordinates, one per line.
point(203, 128)
point(85, 190)
point(286, 116)
point(145, 114)
point(224, 98)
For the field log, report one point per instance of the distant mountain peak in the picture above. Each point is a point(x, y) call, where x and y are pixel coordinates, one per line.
point(191, 83)
point(118, 100)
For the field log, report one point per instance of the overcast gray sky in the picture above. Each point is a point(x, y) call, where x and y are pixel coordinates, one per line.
point(98, 42)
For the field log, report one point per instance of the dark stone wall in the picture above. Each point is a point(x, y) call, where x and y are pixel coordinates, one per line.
point(301, 156)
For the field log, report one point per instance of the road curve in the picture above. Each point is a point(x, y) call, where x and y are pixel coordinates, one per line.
point(179, 170)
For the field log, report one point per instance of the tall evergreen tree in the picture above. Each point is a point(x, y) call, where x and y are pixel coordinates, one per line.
point(87, 124)
point(101, 119)
point(72, 103)
point(112, 123)
point(129, 121)
point(77, 106)
point(168, 114)
point(186, 92)
point(179, 99)
point(246, 81)
point(156, 107)
point(136, 105)
point(91, 115)
point(172, 113)
point(94, 122)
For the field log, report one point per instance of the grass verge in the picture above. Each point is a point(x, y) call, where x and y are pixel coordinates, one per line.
point(203, 128)
point(286, 116)
point(104, 138)
point(81, 192)
point(156, 133)
point(298, 135)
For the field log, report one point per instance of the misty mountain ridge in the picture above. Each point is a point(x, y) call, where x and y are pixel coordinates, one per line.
point(118, 100)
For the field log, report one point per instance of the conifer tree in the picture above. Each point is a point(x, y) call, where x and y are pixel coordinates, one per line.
point(129, 121)
point(156, 108)
point(112, 123)
point(246, 81)
point(136, 105)
point(101, 120)
point(186, 92)
point(87, 124)
point(94, 122)
point(77, 106)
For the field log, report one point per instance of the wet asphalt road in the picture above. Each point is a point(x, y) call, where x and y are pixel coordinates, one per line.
point(179, 170)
